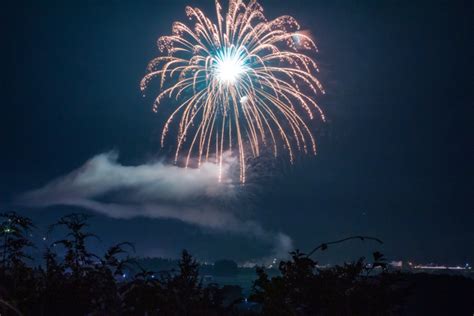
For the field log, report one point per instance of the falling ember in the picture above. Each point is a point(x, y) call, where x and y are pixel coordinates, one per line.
point(242, 83)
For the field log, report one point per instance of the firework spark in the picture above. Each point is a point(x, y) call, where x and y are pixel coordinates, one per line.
point(243, 82)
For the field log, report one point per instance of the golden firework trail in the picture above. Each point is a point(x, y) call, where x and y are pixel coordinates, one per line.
point(242, 82)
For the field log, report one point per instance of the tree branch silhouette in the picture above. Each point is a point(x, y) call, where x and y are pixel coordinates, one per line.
point(325, 245)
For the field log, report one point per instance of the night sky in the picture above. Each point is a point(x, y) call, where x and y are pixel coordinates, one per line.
point(394, 159)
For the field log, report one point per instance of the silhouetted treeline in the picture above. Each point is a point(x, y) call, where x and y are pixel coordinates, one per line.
point(82, 283)
point(74, 281)
point(351, 289)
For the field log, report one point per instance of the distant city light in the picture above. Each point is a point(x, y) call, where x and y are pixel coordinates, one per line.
point(439, 267)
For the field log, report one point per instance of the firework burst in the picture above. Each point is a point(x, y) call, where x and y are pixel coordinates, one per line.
point(243, 82)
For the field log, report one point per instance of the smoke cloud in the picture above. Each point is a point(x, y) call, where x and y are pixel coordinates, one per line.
point(155, 190)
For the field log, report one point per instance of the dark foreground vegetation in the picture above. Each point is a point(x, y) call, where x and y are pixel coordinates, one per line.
point(74, 281)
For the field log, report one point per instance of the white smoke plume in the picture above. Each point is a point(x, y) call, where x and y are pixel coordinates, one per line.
point(154, 190)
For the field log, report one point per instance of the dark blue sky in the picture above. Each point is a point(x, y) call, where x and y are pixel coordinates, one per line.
point(395, 158)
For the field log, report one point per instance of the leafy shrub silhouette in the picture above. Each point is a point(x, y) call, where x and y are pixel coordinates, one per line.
point(83, 283)
point(74, 281)
point(82, 278)
point(303, 288)
point(16, 278)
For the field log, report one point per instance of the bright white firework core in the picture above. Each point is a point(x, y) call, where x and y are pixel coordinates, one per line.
point(229, 65)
